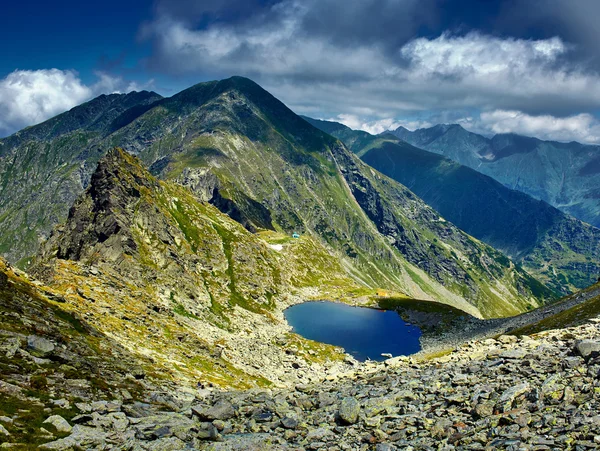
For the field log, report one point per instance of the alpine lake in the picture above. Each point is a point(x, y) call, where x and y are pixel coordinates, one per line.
point(365, 333)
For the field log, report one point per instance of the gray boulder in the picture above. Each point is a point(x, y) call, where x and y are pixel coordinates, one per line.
point(40, 345)
point(349, 410)
point(587, 348)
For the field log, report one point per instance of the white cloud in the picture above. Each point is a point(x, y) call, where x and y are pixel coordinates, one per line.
point(584, 128)
point(29, 97)
point(378, 126)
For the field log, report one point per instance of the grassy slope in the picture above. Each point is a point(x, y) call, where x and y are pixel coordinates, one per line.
point(185, 270)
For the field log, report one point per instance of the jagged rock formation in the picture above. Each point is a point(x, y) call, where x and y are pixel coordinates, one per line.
point(558, 249)
point(243, 151)
point(565, 175)
point(44, 168)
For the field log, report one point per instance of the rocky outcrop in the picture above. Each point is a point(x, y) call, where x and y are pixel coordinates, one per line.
point(142, 258)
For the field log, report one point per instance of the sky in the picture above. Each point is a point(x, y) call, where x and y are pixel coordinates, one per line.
point(530, 67)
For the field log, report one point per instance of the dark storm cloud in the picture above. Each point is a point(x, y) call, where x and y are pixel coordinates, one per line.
point(386, 23)
point(576, 21)
point(380, 59)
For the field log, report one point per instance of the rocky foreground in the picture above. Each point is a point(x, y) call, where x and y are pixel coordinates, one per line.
point(515, 393)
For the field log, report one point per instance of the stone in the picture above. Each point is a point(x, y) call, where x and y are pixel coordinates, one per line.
point(59, 423)
point(349, 410)
point(81, 437)
point(552, 389)
point(507, 399)
point(587, 348)
point(289, 422)
point(40, 345)
point(513, 354)
point(222, 410)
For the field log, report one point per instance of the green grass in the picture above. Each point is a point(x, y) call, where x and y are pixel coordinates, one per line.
point(573, 316)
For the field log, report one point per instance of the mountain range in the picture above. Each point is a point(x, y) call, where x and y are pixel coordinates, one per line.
point(163, 238)
point(237, 147)
point(560, 250)
point(566, 175)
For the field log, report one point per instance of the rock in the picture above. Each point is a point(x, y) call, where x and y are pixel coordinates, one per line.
point(40, 345)
point(587, 348)
point(349, 410)
point(319, 435)
point(59, 423)
point(81, 437)
point(12, 345)
point(506, 400)
point(441, 429)
point(3, 431)
point(289, 422)
point(246, 442)
point(222, 410)
point(262, 415)
point(553, 389)
point(484, 409)
point(513, 354)
point(208, 431)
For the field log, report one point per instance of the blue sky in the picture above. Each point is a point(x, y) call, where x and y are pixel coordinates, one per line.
point(525, 66)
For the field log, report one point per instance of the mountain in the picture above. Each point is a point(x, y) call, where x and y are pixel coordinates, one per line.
point(241, 150)
point(566, 175)
point(168, 266)
point(558, 249)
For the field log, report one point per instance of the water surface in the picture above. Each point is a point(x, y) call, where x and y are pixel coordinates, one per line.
point(362, 332)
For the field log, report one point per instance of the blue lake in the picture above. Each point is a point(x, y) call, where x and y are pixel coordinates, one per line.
point(362, 332)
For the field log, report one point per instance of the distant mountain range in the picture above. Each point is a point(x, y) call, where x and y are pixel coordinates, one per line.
point(566, 175)
point(557, 248)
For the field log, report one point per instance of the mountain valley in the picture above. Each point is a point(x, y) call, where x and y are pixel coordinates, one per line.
point(558, 249)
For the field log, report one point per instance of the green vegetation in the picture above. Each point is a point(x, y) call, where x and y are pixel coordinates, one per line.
point(573, 316)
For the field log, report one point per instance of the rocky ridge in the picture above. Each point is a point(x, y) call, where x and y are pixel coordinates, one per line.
point(176, 280)
point(554, 247)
